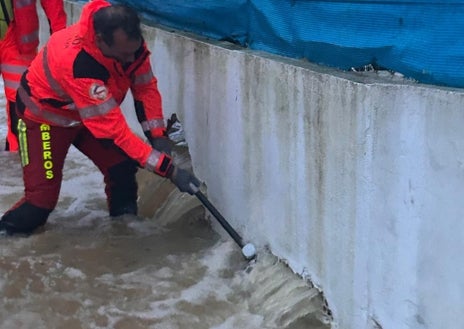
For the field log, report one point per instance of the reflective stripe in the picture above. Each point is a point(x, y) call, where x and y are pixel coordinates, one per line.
point(23, 3)
point(22, 138)
point(149, 125)
point(31, 37)
point(97, 110)
point(54, 118)
point(11, 68)
point(152, 160)
point(85, 112)
point(11, 84)
point(71, 107)
point(143, 78)
point(51, 81)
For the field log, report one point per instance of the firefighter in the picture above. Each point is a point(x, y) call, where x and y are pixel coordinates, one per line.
point(19, 39)
point(71, 95)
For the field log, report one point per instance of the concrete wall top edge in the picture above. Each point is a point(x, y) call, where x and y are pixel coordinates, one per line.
point(368, 77)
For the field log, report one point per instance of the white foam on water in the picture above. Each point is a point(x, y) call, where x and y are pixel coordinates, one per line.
point(86, 270)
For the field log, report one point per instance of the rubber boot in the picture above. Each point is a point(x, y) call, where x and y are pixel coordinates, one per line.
point(24, 219)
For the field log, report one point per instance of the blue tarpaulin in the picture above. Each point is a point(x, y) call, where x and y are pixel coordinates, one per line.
point(420, 39)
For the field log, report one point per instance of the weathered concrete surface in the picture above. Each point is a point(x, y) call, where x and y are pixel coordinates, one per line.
point(356, 182)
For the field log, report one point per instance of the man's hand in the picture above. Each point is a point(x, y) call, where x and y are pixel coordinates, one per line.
point(184, 180)
point(162, 144)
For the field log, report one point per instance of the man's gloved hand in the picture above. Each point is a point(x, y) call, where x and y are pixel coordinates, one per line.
point(162, 144)
point(184, 180)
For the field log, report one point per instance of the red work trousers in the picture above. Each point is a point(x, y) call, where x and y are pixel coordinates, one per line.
point(43, 149)
point(12, 66)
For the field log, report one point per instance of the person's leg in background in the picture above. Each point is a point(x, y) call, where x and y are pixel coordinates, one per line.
point(12, 65)
point(119, 172)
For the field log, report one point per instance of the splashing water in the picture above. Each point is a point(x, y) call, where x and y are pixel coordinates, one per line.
point(167, 268)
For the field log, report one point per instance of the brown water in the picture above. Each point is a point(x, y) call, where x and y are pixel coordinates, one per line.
point(166, 269)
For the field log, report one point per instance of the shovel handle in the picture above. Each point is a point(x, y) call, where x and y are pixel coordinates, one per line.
point(234, 235)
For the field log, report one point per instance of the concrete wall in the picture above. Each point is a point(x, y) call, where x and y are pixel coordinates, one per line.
point(355, 181)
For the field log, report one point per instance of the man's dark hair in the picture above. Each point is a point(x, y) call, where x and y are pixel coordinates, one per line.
point(108, 19)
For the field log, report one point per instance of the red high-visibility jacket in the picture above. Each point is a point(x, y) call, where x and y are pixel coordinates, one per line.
point(26, 21)
point(70, 83)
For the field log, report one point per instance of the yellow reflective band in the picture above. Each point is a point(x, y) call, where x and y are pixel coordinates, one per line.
point(22, 138)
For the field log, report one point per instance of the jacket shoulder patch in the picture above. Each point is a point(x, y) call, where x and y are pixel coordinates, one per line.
point(85, 66)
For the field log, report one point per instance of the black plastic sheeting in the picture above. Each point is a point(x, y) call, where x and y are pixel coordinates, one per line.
point(420, 39)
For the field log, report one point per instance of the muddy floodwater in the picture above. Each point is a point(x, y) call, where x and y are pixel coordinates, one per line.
point(169, 268)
